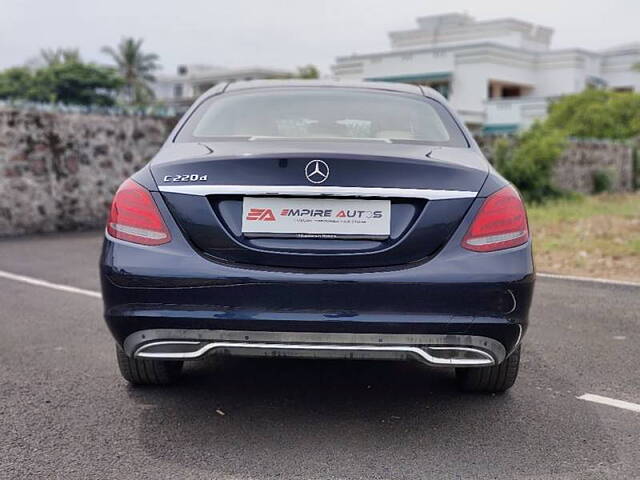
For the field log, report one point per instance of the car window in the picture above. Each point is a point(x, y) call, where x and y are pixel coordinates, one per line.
point(323, 113)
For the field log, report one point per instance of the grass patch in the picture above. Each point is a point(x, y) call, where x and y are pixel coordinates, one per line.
point(595, 236)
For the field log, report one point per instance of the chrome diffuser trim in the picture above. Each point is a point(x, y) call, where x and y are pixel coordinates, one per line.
point(308, 190)
point(484, 358)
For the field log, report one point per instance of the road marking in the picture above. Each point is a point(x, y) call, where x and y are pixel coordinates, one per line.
point(53, 286)
point(626, 283)
point(612, 402)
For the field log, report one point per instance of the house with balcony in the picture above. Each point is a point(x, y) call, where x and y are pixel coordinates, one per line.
point(499, 74)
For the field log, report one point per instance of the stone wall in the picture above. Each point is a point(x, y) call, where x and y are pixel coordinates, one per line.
point(581, 160)
point(59, 171)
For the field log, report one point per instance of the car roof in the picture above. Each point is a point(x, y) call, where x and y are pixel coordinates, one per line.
point(370, 85)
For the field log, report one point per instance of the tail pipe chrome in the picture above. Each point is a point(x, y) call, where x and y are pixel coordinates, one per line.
point(435, 355)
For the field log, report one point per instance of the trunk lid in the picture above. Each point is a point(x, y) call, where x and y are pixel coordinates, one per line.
point(429, 188)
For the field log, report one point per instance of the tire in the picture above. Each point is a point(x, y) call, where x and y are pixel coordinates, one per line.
point(147, 372)
point(496, 379)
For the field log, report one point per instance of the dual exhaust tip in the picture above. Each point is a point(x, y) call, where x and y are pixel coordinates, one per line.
point(434, 355)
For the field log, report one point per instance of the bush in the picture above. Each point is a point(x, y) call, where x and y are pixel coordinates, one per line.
point(602, 181)
point(529, 166)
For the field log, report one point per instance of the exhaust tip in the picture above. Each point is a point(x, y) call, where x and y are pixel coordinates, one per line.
point(177, 349)
point(460, 356)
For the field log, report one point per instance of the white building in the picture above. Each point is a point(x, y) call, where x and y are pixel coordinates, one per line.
point(499, 74)
point(180, 90)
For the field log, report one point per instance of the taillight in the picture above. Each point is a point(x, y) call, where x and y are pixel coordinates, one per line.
point(134, 216)
point(500, 223)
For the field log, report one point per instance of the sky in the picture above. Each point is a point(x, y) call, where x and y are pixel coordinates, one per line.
point(280, 33)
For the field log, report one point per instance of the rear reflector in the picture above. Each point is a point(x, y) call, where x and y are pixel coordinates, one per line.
point(500, 223)
point(134, 216)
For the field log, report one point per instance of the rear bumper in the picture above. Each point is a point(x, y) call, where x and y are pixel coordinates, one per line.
point(434, 350)
point(457, 293)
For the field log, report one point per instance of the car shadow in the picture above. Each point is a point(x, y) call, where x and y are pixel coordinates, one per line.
point(264, 418)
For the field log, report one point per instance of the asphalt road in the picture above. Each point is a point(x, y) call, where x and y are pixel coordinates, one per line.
point(66, 413)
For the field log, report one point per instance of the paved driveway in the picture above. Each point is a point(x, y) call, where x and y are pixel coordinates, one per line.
point(66, 413)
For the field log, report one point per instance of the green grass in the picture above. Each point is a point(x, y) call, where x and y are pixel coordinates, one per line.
point(578, 207)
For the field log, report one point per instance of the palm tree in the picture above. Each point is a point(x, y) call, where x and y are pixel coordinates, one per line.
point(58, 56)
point(136, 69)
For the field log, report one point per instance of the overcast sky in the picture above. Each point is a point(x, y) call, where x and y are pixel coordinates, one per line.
point(280, 33)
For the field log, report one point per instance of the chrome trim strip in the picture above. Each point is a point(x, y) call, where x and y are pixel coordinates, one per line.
point(421, 353)
point(309, 190)
point(204, 336)
point(274, 137)
point(519, 336)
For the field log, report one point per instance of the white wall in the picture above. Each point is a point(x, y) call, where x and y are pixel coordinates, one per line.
point(618, 69)
point(522, 111)
point(407, 64)
point(623, 79)
point(557, 81)
point(470, 87)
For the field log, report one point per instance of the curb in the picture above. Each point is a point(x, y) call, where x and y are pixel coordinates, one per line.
point(605, 281)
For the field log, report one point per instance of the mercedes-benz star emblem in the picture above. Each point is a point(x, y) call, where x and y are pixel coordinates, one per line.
point(316, 171)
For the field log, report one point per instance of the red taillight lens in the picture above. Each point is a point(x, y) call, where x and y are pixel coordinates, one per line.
point(501, 223)
point(134, 216)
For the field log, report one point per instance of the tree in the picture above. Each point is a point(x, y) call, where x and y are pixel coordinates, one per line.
point(71, 83)
point(60, 55)
point(596, 114)
point(136, 69)
point(308, 72)
point(76, 83)
point(15, 83)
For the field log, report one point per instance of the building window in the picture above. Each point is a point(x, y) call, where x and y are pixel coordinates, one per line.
point(511, 91)
point(496, 89)
point(178, 90)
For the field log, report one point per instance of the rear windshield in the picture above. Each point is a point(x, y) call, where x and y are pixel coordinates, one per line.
point(323, 113)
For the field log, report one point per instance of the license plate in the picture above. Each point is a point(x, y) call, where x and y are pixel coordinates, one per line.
point(315, 217)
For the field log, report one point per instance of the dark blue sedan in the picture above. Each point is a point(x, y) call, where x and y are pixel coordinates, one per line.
point(324, 220)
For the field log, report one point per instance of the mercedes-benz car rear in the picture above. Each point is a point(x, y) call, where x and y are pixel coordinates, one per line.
point(319, 219)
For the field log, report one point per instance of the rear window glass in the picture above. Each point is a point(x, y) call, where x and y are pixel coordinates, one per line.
point(323, 113)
